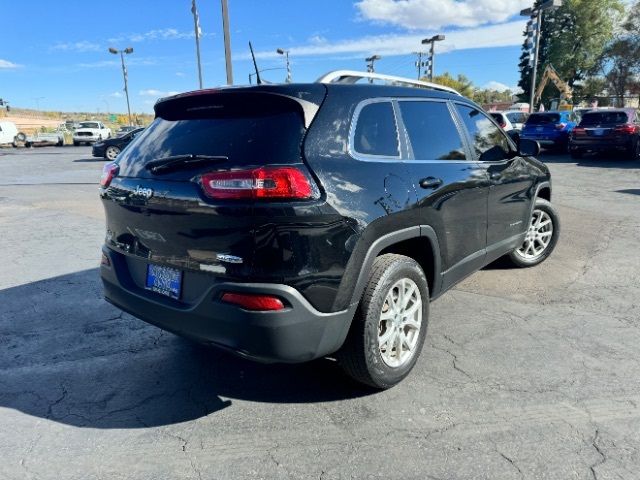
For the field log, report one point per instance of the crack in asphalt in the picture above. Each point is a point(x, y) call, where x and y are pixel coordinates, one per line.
point(603, 457)
point(513, 464)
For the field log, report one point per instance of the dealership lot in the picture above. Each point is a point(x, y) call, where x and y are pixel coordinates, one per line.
point(525, 373)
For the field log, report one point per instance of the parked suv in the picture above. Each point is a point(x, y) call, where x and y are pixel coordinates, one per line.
point(290, 222)
point(550, 129)
point(607, 131)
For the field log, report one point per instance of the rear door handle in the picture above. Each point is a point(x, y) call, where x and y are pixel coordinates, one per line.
point(430, 182)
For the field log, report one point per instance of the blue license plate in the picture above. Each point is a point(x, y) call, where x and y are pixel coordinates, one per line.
point(164, 280)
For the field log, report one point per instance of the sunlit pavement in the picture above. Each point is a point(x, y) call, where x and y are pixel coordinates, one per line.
point(525, 374)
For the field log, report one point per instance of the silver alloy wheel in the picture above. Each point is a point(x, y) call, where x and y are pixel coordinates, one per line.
point(112, 152)
point(400, 322)
point(538, 236)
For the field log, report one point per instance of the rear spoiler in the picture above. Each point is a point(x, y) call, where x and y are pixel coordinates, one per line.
point(208, 103)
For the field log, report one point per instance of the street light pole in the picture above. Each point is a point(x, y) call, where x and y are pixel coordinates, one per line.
point(432, 58)
point(227, 41)
point(281, 51)
point(127, 50)
point(196, 26)
point(537, 12)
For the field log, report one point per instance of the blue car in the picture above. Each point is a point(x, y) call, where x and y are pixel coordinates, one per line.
point(550, 129)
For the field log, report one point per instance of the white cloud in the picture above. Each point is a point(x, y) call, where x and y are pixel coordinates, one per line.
point(152, 92)
point(502, 35)
point(435, 14)
point(131, 60)
point(157, 34)
point(115, 95)
point(7, 64)
point(179, 74)
point(81, 46)
point(496, 86)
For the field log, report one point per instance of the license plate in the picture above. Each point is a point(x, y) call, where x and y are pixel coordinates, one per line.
point(598, 132)
point(164, 280)
point(539, 129)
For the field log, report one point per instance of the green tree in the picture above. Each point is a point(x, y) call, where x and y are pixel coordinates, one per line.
point(620, 61)
point(462, 84)
point(573, 40)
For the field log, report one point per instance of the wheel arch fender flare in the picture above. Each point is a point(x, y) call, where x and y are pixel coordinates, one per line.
point(385, 241)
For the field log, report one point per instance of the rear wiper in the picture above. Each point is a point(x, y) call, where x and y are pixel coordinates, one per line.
point(176, 162)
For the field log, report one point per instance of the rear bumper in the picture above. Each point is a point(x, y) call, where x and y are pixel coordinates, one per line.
point(546, 141)
point(600, 144)
point(297, 334)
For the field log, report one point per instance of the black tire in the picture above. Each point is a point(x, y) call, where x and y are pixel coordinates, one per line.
point(517, 259)
point(360, 356)
point(75, 144)
point(60, 143)
point(28, 145)
point(111, 148)
point(633, 153)
point(577, 154)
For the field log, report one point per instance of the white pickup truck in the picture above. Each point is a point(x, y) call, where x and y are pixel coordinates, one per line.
point(90, 132)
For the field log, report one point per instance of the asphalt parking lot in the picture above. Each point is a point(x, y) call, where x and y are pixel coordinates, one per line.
point(526, 374)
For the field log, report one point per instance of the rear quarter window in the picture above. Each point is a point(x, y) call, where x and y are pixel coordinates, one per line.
point(376, 132)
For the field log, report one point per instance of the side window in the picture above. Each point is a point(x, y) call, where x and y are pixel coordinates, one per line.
point(376, 132)
point(432, 132)
point(489, 142)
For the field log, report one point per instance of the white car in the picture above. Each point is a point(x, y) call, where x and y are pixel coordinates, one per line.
point(517, 118)
point(9, 134)
point(90, 132)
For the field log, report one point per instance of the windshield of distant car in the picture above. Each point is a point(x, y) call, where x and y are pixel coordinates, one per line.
point(543, 118)
point(497, 117)
point(89, 125)
point(597, 118)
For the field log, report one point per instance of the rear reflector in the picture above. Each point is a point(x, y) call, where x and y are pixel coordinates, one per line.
point(578, 131)
point(253, 302)
point(259, 183)
point(561, 126)
point(105, 260)
point(109, 171)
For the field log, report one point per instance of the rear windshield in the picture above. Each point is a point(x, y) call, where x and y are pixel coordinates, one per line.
point(543, 118)
point(517, 117)
point(597, 118)
point(251, 135)
point(497, 117)
point(89, 125)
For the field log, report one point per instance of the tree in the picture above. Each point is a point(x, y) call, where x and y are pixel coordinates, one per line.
point(621, 58)
point(462, 84)
point(573, 40)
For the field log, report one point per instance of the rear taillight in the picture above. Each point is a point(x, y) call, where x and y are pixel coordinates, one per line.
point(503, 124)
point(109, 171)
point(578, 131)
point(561, 126)
point(253, 302)
point(259, 183)
point(627, 129)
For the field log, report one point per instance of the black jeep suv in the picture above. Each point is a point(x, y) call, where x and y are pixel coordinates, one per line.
point(290, 222)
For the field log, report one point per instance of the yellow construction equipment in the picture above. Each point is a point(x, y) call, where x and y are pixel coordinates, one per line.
point(550, 73)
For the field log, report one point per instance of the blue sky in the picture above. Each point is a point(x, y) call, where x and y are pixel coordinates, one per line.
point(55, 54)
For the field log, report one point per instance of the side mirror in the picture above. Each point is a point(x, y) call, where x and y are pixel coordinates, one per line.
point(528, 148)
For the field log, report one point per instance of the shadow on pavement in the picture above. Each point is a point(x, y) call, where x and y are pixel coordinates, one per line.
point(631, 191)
point(68, 356)
point(91, 160)
point(591, 160)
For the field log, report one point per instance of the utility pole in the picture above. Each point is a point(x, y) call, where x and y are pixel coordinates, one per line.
point(370, 64)
point(198, 30)
point(420, 63)
point(227, 41)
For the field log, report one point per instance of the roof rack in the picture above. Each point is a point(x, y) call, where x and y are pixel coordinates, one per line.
point(352, 76)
